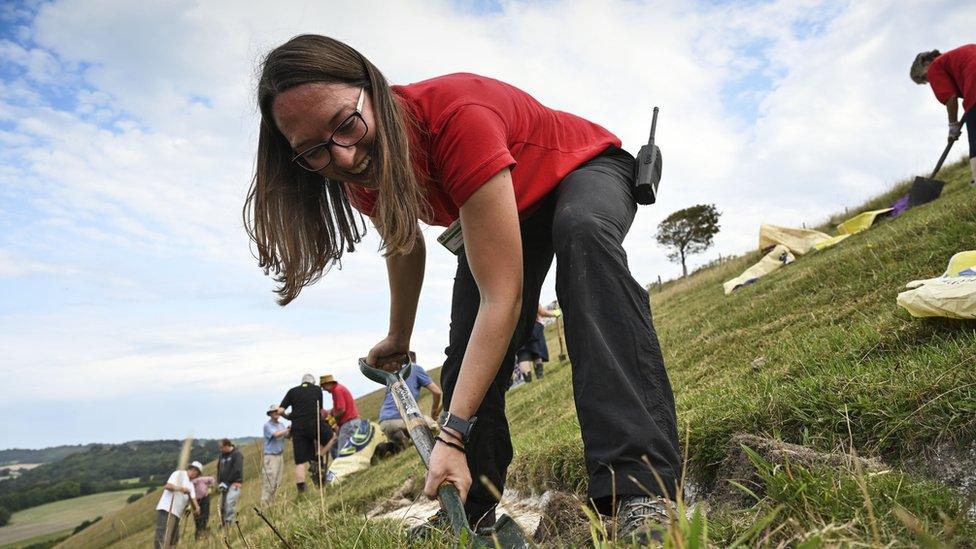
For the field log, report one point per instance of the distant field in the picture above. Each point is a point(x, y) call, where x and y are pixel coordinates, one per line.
point(61, 515)
point(19, 466)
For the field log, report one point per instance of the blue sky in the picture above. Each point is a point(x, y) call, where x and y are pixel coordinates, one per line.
point(130, 304)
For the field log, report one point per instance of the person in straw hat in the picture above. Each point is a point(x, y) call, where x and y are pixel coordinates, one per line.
point(274, 447)
point(343, 410)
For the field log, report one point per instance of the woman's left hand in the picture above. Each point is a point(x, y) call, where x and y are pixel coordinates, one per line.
point(447, 465)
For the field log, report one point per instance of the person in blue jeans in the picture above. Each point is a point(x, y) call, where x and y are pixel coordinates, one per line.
point(390, 421)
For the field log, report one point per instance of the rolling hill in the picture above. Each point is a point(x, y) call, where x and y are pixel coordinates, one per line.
point(812, 368)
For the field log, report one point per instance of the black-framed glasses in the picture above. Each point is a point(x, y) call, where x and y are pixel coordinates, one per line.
point(349, 133)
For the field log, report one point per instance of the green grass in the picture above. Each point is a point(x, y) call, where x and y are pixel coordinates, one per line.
point(41, 540)
point(828, 506)
point(56, 517)
point(843, 368)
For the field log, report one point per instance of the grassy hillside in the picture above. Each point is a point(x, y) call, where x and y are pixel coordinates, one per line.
point(132, 526)
point(62, 516)
point(816, 354)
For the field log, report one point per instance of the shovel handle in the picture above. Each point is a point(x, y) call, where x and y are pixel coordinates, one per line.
point(942, 158)
point(420, 435)
point(451, 502)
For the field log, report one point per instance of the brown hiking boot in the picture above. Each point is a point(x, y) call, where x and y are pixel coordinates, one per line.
point(642, 519)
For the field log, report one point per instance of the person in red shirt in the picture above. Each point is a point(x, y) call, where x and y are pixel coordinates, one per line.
point(343, 410)
point(952, 76)
point(523, 183)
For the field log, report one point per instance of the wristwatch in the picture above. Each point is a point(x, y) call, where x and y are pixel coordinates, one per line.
point(455, 423)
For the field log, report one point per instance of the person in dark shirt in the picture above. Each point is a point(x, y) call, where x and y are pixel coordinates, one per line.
point(310, 436)
point(230, 477)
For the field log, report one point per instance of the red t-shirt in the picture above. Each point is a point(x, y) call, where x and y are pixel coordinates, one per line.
point(472, 127)
point(342, 400)
point(954, 73)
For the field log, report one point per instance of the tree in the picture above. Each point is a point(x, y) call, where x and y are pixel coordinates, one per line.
point(4, 516)
point(688, 231)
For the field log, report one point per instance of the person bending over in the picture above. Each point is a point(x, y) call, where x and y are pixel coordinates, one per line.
point(525, 183)
point(201, 493)
point(343, 411)
point(391, 423)
point(952, 76)
point(534, 351)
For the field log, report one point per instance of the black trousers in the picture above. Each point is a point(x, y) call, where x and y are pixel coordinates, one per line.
point(622, 393)
point(203, 518)
point(970, 119)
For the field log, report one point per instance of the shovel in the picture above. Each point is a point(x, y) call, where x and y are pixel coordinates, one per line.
point(505, 533)
point(927, 189)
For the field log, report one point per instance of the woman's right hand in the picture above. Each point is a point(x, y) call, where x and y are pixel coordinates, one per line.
point(388, 353)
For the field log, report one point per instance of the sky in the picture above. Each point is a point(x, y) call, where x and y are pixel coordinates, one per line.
point(131, 305)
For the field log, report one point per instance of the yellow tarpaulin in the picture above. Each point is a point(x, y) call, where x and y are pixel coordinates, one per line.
point(830, 241)
point(951, 295)
point(860, 222)
point(798, 241)
point(357, 455)
point(770, 262)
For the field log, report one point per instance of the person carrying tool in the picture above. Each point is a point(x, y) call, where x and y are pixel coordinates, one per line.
point(523, 183)
point(343, 411)
point(391, 423)
point(309, 435)
point(274, 432)
point(201, 493)
point(230, 477)
point(177, 494)
point(952, 76)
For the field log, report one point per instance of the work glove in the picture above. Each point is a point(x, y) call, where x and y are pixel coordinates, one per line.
point(955, 130)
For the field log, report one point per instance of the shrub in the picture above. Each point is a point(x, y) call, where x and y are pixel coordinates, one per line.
point(85, 524)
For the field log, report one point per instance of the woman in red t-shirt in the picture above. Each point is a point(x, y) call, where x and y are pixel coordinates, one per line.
point(525, 183)
point(952, 76)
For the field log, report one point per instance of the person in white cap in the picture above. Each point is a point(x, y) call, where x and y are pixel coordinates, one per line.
point(201, 492)
point(274, 446)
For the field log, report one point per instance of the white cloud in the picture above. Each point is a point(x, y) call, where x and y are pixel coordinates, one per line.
point(129, 187)
point(12, 266)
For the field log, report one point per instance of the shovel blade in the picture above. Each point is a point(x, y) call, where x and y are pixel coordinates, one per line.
point(507, 534)
point(924, 190)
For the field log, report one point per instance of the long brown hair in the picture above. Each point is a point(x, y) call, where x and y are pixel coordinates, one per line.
point(302, 222)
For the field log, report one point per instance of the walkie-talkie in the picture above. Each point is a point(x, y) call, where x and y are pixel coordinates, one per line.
point(648, 169)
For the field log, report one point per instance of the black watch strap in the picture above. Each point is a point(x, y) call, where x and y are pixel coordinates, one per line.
point(455, 423)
